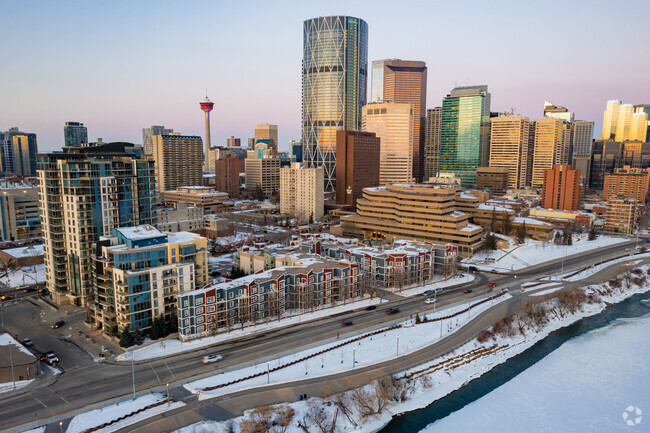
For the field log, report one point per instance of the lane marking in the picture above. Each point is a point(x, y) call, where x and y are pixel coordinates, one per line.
point(154, 372)
point(168, 369)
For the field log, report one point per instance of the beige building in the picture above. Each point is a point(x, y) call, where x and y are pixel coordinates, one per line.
point(610, 119)
point(392, 123)
point(179, 160)
point(639, 127)
point(302, 192)
point(621, 214)
point(624, 121)
point(628, 181)
point(215, 227)
point(268, 134)
point(264, 172)
point(422, 212)
point(511, 148)
point(433, 127)
point(548, 136)
point(205, 197)
point(19, 215)
point(180, 217)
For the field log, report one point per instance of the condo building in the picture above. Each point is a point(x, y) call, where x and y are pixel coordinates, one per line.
point(262, 171)
point(627, 181)
point(75, 134)
point(547, 139)
point(179, 160)
point(148, 134)
point(302, 192)
point(561, 188)
point(267, 134)
point(19, 215)
point(432, 143)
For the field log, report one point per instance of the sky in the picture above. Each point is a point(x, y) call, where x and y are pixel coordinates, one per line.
point(120, 66)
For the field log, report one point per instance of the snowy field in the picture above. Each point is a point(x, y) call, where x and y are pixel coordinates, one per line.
point(584, 386)
point(444, 375)
point(371, 350)
point(175, 346)
point(26, 275)
point(106, 414)
point(9, 386)
point(467, 278)
point(530, 253)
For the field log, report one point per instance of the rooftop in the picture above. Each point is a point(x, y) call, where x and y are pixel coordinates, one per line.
point(140, 232)
point(27, 251)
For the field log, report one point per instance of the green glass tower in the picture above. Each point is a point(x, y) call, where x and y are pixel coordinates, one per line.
point(465, 131)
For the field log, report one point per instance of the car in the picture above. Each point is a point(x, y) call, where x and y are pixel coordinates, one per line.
point(44, 291)
point(348, 323)
point(467, 291)
point(371, 307)
point(495, 271)
point(30, 289)
point(429, 301)
point(428, 292)
point(473, 269)
point(213, 357)
point(438, 290)
point(461, 275)
point(392, 310)
point(6, 297)
point(51, 358)
point(492, 285)
point(45, 355)
point(27, 342)
point(58, 324)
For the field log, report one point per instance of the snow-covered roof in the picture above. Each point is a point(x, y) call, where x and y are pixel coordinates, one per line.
point(23, 252)
point(530, 221)
point(140, 232)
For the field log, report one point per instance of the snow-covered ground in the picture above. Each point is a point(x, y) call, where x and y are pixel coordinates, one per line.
point(443, 375)
point(106, 414)
point(9, 386)
point(26, 275)
point(36, 430)
point(534, 252)
point(174, 346)
point(467, 278)
point(370, 350)
point(237, 237)
point(584, 386)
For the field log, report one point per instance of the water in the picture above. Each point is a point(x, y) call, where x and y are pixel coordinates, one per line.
point(417, 420)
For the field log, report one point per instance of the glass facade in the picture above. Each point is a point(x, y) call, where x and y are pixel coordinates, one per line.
point(334, 81)
point(464, 135)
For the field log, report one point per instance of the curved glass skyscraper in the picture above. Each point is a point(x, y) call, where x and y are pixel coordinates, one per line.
point(334, 81)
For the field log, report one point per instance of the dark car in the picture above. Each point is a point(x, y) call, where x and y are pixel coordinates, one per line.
point(473, 269)
point(392, 310)
point(427, 292)
point(348, 323)
point(6, 297)
point(30, 290)
point(44, 291)
point(58, 324)
point(467, 291)
point(371, 307)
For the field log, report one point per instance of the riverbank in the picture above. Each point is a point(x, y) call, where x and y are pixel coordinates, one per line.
point(419, 387)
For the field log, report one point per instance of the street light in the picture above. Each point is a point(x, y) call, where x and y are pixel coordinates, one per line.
point(61, 426)
point(167, 386)
point(353, 357)
point(268, 373)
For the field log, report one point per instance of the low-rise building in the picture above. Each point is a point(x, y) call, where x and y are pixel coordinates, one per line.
point(27, 255)
point(563, 217)
point(494, 179)
point(19, 216)
point(215, 227)
point(180, 217)
point(621, 214)
point(140, 271)
point(205, 197)
point(16, 362)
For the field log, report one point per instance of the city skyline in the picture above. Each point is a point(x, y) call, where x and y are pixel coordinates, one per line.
point(156, 68)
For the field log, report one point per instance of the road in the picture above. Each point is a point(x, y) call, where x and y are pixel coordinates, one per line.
point(96, 383)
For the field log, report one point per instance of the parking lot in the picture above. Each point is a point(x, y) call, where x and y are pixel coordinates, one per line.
point(23, 319)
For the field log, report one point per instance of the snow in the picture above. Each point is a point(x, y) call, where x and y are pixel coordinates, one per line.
point(9, 386)
point(106, 414)
point(175, 346)
point(233, 239)
point(24, 252)
point(6, 339)
point(530, 253)
point(36, 430)
point(26, 275)
point(585, 385)
point(140, 232)
point(368, 351)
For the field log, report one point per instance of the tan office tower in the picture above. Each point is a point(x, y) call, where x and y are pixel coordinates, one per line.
point(547, 137)
point(404, 81)
point(638, 127)
point(302, 192)
point(511, 147)
point(267, 134)
point(179, 161)
point(610, 118)
point(233, 142)
point(392, 123)
point(432, 143)
point(625, 112)
point(563, 151)
point(264, 172)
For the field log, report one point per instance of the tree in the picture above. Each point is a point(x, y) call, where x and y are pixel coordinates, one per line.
point(126, 338)
point(236, 272)
point(521, 233)
point(506, 224)
point(311, 218)
point(592, 234)
point(493, 220)
point(490, 241)
point(137, 337)
point(258, 193)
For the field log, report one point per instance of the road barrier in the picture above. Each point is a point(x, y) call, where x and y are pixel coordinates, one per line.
point(123, 417)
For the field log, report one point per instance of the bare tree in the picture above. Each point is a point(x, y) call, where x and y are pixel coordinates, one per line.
point(364, 402)
point(283, 417)
point(316, 415)
point(343, 402)
point(259, 420)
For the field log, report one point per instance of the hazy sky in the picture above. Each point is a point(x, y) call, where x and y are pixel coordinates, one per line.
point(119, 66)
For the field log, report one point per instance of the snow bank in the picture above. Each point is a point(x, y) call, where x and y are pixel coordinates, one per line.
point(9, 386)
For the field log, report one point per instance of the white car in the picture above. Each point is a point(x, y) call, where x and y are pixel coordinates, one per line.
point(211, 358)
point(430, 301)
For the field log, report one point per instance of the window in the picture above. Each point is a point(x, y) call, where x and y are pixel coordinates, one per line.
point(210, 300)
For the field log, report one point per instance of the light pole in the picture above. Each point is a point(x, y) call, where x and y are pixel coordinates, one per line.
point(133, 373)
point(2, 313)
point(353, 357)
point(397, 348)
point(11, 361)
point(268, 373)
point(61, 426)
point(168, 402)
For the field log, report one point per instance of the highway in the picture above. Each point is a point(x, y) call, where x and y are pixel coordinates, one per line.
point(97, 383)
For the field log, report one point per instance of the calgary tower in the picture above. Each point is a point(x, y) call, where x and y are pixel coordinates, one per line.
point(206, 106)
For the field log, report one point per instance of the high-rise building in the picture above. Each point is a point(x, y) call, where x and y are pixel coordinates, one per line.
point(561, 188)
point(75, 134)
point(624, 121)
point(179, 159)
point(556, 112)
point(267, 134)
point(547, 139)
point(263, 172)
point(139, 272)
point(621, 214)
point(334, 82)
point(609, 155)
point(564, 151)
point(432, 143)
point(148, 133)
point(295, 150)
point(233, 142)
point(302, 192)
point(610, 118)
point(644, 108)
point(405, 81)
point(19, 152)
point(84, 193)
point(464, 136)
point(639, 126)
point(207, 106)
point(631, 182)
point(227, 175)
point(357, 156)
point(511, 148)
point(19, 217)
point(392, 123)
